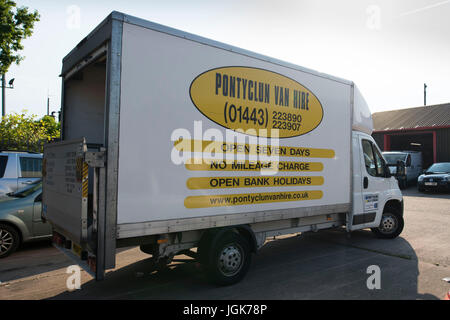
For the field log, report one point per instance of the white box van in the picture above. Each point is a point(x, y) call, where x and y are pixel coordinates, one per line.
point(412, 161)
point(174, 142)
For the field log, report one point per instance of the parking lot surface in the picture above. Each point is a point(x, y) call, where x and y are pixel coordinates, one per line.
point(324, 265)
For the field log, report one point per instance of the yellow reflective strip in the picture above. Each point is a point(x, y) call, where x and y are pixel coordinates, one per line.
point(85, 180)
point(85, 170)
point(85, 189)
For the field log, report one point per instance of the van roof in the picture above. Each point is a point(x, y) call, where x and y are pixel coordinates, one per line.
point(104, 30)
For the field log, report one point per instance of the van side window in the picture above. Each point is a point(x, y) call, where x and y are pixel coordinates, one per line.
point(379, 162)
point(3, 162)
point(375, 165)
point(369, 158)
point(31, 167)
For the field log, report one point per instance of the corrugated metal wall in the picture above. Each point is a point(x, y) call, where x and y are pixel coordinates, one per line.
point(443, 145)
point(379, 139)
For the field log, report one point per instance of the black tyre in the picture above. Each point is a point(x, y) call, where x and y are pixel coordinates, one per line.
point(9, 240)
point(391, 226)
point(229, 260)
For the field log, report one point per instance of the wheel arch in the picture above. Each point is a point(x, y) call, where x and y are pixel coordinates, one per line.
point(211, 236)
point(247, 232)
point(19, 225)
point(395, 205)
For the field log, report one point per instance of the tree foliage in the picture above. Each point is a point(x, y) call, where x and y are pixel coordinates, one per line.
point(22, 132)
point(16, 24)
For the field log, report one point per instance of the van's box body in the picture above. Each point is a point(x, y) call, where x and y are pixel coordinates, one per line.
point(137, 96)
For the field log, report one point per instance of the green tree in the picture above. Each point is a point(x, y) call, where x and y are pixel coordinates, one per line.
point(16, 24)
point(22, 132)
point(51, 127)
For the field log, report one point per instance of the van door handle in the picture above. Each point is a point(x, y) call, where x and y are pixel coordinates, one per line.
point(366, 182)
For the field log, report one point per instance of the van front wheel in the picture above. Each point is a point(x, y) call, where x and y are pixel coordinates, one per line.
point(391, 226)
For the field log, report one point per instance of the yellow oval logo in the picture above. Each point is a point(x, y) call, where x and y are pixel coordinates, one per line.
point(256, 102)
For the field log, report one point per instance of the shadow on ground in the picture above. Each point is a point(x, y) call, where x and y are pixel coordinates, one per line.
point(325, 265)
point(32, 259)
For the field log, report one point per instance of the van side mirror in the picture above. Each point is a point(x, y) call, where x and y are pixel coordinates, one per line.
point(408, 161)
point(400, 168)
point(387, 171)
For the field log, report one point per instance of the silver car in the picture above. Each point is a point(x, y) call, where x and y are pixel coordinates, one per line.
point(20, 219)
point(18, 169)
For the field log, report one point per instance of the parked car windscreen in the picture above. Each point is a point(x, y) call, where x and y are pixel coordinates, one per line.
point(439, 168)
point(392, 158)
point(22, 193)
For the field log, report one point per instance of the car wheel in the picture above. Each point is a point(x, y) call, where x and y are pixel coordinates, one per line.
point(230, 260)
point(391, 226)
point(9, 240)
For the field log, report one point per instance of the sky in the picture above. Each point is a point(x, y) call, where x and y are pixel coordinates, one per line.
point(388, 48)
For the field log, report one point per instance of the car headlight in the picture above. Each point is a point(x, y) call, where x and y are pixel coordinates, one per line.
point(421, 178)
point(447, 178)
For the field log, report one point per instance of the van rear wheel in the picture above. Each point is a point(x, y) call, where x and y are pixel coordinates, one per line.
point(229, 260)
point(391, 226)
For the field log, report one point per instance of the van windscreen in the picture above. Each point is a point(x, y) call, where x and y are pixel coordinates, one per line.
point(392, 158)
